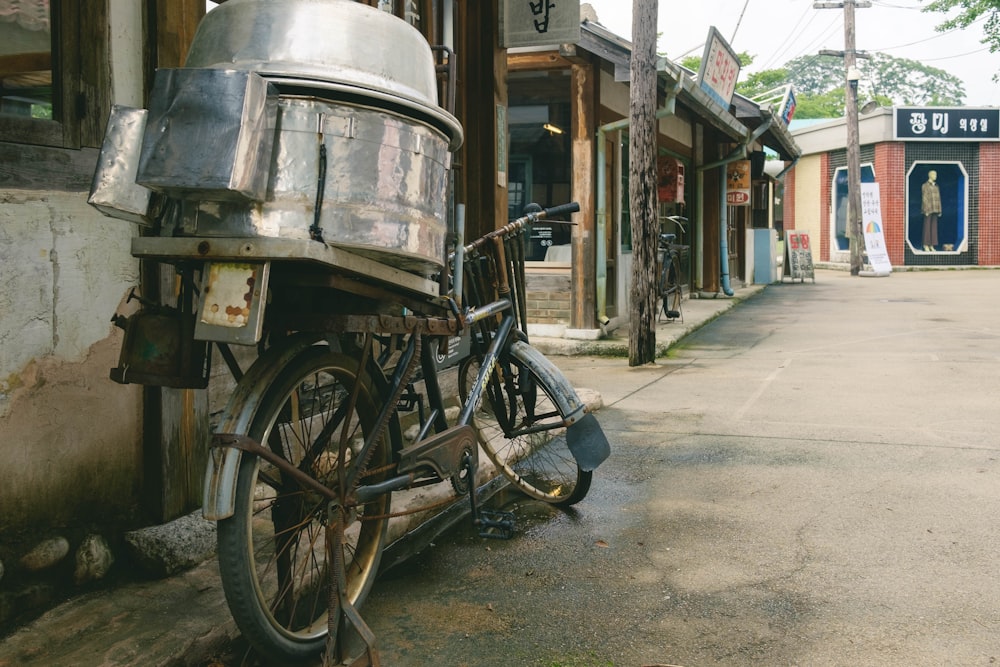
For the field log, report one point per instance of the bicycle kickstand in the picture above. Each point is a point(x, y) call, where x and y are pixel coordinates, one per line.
point(491, 524)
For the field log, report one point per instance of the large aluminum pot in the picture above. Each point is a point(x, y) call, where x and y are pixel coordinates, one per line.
point(383, 193)
point(339, 45)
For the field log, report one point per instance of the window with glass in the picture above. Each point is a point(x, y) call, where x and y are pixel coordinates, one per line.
point(539, 169)
point(839, 236)
point(26, 63)
point(937, 204)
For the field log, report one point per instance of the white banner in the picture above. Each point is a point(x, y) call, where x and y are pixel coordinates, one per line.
point(871, 222)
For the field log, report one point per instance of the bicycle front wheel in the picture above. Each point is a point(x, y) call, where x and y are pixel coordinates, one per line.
point(520, 430)
point(272, 551)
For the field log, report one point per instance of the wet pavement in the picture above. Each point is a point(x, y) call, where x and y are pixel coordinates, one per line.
point(812, 479)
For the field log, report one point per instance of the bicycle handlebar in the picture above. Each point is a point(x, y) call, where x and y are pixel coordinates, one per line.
point(517, 225)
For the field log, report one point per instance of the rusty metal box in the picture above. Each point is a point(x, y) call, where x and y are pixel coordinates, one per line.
point(114, 191)
point(209, 135)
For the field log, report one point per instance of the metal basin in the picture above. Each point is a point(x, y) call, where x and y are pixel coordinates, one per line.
point(383, 193)
point(337, 45)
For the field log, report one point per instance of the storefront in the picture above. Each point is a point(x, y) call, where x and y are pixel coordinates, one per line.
point(938, 184)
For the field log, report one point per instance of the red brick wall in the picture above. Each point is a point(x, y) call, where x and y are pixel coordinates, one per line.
point(890, 173)
point(789, 213)
point(989, 204)
point(825, 187)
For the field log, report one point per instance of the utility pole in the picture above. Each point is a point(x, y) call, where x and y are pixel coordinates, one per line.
point(642, 184)
point(850, 55)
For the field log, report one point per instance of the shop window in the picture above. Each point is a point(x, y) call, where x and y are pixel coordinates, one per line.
point(539, 169)
point(937, 205)
point(840, 240)
point(626, 207)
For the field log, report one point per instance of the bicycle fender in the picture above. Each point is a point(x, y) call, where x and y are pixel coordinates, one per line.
point(584, 435)
point(219, 500)
point(221, 473)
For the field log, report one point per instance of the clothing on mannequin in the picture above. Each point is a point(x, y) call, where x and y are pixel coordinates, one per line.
point(930, 206)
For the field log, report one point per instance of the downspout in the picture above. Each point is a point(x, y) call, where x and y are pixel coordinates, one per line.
point(668, 109)
point(738, 154)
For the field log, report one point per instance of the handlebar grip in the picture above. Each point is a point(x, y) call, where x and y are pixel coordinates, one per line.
point(562, 209)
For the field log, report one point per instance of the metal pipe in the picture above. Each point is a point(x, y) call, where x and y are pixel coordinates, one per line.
point(737, 154)
point(458, 272)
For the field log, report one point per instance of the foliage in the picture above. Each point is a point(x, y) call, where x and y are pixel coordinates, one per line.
point(819, 82)
point(885, 78)
point(968, 12)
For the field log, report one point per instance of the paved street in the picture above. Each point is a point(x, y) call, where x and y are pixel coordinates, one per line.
point(811, 479)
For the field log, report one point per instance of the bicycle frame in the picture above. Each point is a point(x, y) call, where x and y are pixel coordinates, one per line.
point(429, 456)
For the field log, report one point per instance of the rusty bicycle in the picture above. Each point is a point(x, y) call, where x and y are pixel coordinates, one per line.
point(318, 227)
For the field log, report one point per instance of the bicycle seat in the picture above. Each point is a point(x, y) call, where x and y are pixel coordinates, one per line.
point(667, 238)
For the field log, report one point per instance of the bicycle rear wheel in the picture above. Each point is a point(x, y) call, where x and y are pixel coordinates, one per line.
point(671, 289)
point(272, 551)
point(520, 430)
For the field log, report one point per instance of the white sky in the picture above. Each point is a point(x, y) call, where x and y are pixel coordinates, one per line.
point(776, 31)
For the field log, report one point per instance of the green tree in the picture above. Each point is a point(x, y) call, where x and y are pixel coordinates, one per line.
point(968, 12)
point(884, 78)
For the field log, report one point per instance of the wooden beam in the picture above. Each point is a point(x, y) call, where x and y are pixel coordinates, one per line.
point(539, 60)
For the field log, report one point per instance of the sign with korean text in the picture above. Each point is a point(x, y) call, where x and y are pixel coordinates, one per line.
point(787, 109)
point(539, 22)
point(798, 256)
point(738, 183)
point(720, 67)
point(946, 124)
point(871, 221)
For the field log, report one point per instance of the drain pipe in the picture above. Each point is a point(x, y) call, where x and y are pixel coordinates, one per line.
point(738, 154)
point(668, 109)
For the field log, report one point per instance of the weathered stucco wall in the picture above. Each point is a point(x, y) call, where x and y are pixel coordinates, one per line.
point(72, 436)
point(809, 202)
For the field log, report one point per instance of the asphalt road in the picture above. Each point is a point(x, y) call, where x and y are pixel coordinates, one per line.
point(811, 479)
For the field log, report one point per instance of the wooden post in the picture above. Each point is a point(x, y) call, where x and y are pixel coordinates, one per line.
point(853, 142)
point(584, 315)
point(176, 431)
point(483, 105)
point(642, 184)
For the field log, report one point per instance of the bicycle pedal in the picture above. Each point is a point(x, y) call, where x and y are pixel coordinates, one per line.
point(496, 525)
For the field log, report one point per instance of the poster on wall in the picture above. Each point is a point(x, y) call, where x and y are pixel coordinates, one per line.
point(871, 220)
point(738, 183)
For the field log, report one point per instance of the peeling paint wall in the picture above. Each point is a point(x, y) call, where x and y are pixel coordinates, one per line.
point(72, 436)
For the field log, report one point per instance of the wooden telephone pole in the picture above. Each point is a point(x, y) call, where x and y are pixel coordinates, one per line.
point(642, 184)
point(850, 55)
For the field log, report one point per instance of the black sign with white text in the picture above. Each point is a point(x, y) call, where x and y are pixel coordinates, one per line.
point(946, 124)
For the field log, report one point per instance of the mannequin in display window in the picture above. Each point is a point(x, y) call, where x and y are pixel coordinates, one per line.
point(930, 206)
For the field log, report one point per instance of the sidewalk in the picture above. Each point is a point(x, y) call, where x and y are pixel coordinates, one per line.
point(696, 313)
point(184, 620)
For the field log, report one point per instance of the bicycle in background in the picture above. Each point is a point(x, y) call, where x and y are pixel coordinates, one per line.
point(670, 284)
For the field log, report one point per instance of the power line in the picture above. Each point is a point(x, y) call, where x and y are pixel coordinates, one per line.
point(739, 21)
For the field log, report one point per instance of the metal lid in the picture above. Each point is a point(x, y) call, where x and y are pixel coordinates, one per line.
point(340, 44)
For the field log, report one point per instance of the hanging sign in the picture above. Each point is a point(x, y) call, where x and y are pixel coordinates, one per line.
point(539, 22)
point(738, 183)
point(798, 256)
point(720, 67)
point(871, 219)
point(787, 108)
